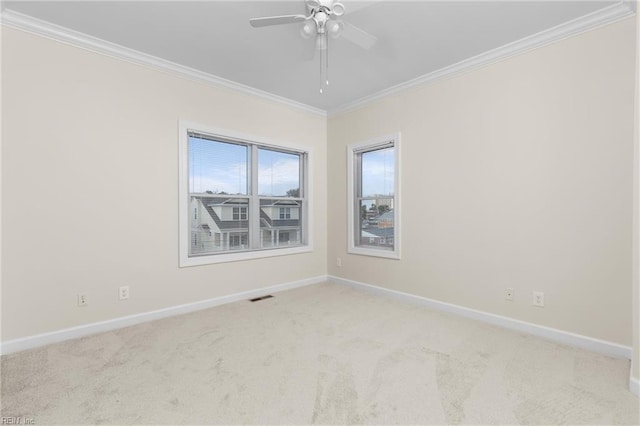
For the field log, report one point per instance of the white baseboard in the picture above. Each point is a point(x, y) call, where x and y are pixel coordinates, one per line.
point(634, 385)
point(43, 339)
point(565, 337)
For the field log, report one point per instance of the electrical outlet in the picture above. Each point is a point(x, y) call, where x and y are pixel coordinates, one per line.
point(538, 299)
point(123, 293)
point(82, 300)
point(339, 262)
point(508, 294)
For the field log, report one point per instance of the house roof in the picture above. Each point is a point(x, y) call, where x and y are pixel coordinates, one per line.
point(266, 218)
point(379, 232)
point(366, 234)
point(225, 225)
point(279, 203)
point(388, 215)
point(286, 222)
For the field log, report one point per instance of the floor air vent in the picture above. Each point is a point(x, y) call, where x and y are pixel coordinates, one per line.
point(257, 299)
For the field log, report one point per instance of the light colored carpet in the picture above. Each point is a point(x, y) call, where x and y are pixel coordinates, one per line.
point(319, 354)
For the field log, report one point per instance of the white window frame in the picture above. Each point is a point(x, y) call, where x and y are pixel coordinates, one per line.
point(352, 151)
point(183, 197)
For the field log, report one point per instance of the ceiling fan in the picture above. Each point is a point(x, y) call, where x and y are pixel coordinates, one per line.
point(321, 21)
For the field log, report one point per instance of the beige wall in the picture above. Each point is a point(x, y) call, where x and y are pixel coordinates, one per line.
point(90, 186)
point(515, 175)
point(525, 181)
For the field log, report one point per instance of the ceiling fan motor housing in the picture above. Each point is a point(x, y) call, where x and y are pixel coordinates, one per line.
point(321, 11)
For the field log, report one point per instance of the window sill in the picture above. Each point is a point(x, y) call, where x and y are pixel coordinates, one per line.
point(388, 254)
point(240, 256)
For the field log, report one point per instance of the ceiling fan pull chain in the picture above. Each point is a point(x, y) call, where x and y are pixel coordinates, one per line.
point(326, 61)
point(321, 67)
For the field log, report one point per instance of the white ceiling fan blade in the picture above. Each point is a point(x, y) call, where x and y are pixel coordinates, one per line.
point(276, 20)
point(357, 36)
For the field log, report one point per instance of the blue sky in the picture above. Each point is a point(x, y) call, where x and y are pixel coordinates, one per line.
point(377, 172)
point(222, 167)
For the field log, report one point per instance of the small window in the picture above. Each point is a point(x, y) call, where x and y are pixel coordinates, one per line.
point(248, 198)
point(285, 213)
point(239, 213)
point(374, 208)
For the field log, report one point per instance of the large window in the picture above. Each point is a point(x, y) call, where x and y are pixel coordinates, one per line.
point(240, 199)
point(374, 207)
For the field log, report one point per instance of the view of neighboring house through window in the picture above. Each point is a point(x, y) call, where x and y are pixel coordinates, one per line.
point(374, 210)
point(243, 196)
point(280, 205)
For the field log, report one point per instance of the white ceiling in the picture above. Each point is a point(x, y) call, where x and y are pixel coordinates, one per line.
point(414, 38)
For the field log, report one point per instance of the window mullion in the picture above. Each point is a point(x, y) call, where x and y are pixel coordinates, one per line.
point(357, 224)
point(304, 202)
point(254, 201)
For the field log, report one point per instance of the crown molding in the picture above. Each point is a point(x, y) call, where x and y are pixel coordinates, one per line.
point(604, 16)
point(55, 32)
